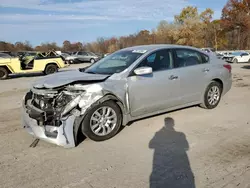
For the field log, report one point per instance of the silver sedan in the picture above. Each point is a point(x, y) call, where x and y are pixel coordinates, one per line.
point(129, 84)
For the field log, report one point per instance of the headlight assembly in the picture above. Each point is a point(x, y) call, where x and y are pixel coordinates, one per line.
point(72, 104)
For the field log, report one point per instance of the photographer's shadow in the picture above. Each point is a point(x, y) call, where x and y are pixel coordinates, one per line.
point(171, 168)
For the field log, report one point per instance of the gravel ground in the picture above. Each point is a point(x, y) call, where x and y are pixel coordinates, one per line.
point(213, 146)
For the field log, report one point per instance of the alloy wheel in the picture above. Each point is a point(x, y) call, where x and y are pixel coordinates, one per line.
point(213, 95)
point(103, 121)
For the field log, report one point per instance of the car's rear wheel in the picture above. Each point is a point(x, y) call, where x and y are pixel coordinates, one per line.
point(3, 73)
point(212, 95)
point(92, 61)
point(102, 122)
point(50, 69)
point(235, 61)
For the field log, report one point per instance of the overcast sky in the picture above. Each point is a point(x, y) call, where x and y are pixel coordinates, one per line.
point(85, 20)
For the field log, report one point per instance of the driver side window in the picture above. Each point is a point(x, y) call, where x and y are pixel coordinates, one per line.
point(159, 60)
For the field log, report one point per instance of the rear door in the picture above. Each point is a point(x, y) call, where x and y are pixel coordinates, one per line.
point(194, 74)
point(155, 92)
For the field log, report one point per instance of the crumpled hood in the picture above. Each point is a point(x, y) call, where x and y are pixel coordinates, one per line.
point(66, 77)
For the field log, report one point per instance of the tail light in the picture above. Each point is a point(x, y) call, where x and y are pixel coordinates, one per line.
point(228, 67)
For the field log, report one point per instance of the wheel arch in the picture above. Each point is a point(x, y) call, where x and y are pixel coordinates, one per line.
point(52, 63)
point(78, 121)
point(220, 82)
point(7, 68)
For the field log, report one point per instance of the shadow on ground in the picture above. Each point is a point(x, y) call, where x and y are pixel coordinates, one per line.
point(246, 67)
point(171, 167)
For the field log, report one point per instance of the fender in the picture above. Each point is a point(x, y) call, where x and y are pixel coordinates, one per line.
point(79, 119)
point(53, 62)
point(8, 68)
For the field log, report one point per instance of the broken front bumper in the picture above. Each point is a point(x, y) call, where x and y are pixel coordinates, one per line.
point(62, 135)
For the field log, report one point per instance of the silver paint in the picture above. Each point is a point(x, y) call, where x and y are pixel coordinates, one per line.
point(138, 96)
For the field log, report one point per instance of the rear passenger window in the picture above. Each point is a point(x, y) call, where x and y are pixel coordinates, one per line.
point(186, 57)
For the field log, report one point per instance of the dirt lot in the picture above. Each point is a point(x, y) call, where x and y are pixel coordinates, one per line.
point(211, 145)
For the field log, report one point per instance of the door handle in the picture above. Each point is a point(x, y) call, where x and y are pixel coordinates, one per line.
point(206, 70)
point(172, 77)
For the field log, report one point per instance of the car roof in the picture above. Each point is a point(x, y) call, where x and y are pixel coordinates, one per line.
point(158, 46)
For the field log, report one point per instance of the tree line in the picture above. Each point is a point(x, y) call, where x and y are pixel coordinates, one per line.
point(230, 32)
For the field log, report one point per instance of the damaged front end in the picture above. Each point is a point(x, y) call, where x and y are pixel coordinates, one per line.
point(53, 114)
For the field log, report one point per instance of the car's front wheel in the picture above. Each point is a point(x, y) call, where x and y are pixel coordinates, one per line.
point(235, 61)
point(102, 122)
point(212, 95)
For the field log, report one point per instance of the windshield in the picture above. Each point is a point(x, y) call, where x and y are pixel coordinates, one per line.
point(114, 63)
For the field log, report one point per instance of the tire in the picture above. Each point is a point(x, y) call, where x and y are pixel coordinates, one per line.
point(50, 69)
point(3, 73)
point(207, 104)
point(235, 61)
point(89, 126)
point(92, 61)
point(249, 61)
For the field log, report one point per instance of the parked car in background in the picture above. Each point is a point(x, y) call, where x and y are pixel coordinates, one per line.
point(241, 57)
point(4, 55)
point(86, 57)
point(47, 63)
point(64, 55)
point(238, 57)
point(129, 84)
point(71, 58)
point(219, 55)
point(12, 54)
point(208, 50)
point(226, 55)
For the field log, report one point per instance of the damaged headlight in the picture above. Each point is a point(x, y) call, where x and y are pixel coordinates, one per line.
point(72, 104)
point(42, 104)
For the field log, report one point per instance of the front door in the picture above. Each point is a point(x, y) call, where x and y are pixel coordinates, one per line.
point(157, 91)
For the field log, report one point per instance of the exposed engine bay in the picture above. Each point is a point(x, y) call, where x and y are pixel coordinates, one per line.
point(49, 106)
point(55, 107)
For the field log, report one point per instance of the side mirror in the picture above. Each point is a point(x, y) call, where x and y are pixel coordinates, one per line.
point(143, 71)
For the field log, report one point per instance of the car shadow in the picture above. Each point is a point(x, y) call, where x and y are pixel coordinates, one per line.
point(171, 167)
point(246, 67)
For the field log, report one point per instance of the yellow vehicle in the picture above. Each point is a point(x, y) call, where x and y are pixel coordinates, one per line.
point(47, 63)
